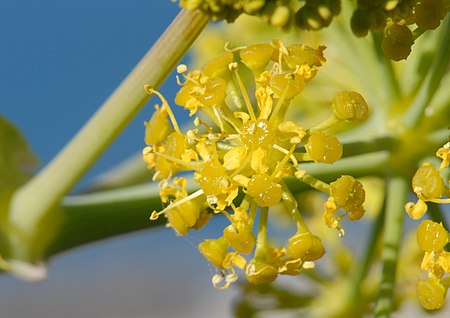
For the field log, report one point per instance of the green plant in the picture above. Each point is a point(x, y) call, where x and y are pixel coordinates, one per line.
point(258, 149)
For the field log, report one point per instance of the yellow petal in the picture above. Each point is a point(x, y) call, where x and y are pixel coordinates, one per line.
point(233, 158)
point(258, 162)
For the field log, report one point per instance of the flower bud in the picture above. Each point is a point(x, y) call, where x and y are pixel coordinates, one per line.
point(350, 106)
point(306, 246)
point(431, 236)
point(214, 250)
point(259, 271)
point(324, 148)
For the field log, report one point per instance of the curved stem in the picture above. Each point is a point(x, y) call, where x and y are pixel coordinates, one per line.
point(37, 198)
point(397, 191)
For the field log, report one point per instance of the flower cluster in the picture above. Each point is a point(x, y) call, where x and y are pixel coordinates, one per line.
point(401, 20)
point(429, 185)
point(242, 151)
point(432, 237)
point(311, 14)
point(394, 17)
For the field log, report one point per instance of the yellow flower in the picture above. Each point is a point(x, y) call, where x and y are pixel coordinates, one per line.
point(245, 146)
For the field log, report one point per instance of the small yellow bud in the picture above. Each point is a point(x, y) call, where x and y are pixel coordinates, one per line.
point(218, 67)
point(158, 127)
point(416, 210)
point(427, 182)
point(214, 250)
point(305, 246)
point(264, 190)
point(350, 106)
point(256, 56)
point(431, 294)
point(240, 237)
point(324, 148)
point(431, 236)
point(259, 271)
point(183, 217)
point(349, 194)
point(233, 158)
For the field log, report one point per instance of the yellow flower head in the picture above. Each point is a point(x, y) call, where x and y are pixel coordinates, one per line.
point(241, 150)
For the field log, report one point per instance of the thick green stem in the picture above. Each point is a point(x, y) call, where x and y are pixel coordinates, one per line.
point(37, 198)
point(437, 70)
point(397, 191)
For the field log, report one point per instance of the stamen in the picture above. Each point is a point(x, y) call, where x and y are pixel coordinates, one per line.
point(189, 165)
point(243, 165)
point(283, 161)
point(280, 102)
point(182, 68)
point(219, 119)
point(227, 215)
point(234, 68)
point(308, 265)
point(150, 90)
point(286, 152)
point(218, 278)
point(190, 197)
point(227, 47)
point(253, 210)
point(331, 121)
point(317, 184)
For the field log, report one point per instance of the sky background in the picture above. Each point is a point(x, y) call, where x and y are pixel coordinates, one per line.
point(59, 60)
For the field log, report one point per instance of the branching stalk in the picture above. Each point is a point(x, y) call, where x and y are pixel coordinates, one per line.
point(33, 202)
point(397, 191)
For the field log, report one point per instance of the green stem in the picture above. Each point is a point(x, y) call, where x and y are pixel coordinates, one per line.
point(366, 260)
point(397, 191)
point(261, 240)
point(391, 86)
point(91, 217)
point(358, 166)
point(316, 184)
point(437, 70)
point(292, 206)
point(37, 198)
point(359, 147)
point(331, 121)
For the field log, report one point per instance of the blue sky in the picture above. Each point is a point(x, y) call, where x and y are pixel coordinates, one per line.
point(59, 60)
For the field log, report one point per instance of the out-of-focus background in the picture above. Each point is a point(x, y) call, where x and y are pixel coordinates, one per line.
point(59, 61)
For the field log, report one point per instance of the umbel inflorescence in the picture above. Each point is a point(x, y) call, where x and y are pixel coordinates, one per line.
point(432, 237)
point(401, 21)
point(241, 150)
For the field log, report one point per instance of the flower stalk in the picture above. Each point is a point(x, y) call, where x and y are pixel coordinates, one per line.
point(397, 191)
point(34, 201)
